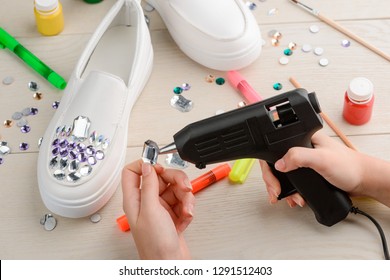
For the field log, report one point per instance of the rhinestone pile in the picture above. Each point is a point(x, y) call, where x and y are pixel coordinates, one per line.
point(74, 152)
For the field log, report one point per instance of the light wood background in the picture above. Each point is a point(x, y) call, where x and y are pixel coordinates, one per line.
point(231, 221)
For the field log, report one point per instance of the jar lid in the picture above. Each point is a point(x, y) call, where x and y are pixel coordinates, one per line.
point(46, 5)
point(360, 89)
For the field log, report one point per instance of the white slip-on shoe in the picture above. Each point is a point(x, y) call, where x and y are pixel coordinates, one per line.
point(219, 34)
point(84, 147)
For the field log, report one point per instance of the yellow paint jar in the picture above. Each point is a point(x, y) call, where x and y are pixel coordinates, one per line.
point(49, 17)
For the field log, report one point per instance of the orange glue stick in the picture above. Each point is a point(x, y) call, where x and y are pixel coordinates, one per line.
point(217, 173)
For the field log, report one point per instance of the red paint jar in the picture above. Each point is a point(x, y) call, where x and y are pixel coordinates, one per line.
point(358, 101)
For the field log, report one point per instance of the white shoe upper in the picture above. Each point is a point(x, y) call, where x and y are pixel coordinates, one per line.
point(84, 146)
point(219, 34)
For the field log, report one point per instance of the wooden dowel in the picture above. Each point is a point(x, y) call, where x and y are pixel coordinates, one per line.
point(353, 36)
point(325, 117)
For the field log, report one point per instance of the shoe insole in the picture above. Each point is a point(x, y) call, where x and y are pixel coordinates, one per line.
point(114, 52)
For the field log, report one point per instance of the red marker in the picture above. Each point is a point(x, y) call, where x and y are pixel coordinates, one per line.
point(217, 173)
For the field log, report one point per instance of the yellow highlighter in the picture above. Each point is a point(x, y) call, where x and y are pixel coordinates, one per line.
point(241, 169)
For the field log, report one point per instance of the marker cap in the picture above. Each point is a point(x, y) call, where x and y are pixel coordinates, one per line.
point(123, 223)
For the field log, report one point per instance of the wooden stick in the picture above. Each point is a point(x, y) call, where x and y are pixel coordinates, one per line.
point(331, 124)
point(342, 29)
point(353, 36)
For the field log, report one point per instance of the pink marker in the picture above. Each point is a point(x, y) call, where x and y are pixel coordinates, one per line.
point(239, 83)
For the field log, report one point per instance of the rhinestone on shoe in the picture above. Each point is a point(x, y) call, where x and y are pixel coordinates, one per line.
point(75, 152)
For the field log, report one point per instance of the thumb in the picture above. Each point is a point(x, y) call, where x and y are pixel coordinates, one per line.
point(149, 185)
point(297, 157)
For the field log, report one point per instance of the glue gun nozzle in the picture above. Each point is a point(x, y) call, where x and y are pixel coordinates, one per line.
point(171, 148)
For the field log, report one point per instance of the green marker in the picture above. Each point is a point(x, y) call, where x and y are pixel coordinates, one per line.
point(7, 41)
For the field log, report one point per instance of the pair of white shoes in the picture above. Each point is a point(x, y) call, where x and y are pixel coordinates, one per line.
point(84, 147)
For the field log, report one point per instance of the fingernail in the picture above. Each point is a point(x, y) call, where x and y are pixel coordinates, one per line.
point(146, 169)
point(187, 183)
point(280, 165)
point(298, 201)
point(290, 203)
point(190, 209)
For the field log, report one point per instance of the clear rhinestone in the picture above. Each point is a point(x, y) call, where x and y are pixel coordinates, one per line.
point(73, 166)
point(306, 48)
point(40, 142)
point(80, 128)
point(318, 51)
point(105, 144)
point(92, 137)
point(48, 222)
point(64, 163)
point(8, 80)
point(174, 160)
point(85, 170)
point(81, 157)
point(181, 103)
point(99, 155)
point(55, 104)
point(33, 86)
point(25, 129)
point(73, 177)
point(26, 111)
point(4, 150)
point(345, 43)
point(314, 28)
point(21, 122)
point(17, 116)
point(59, 174)
point(95, 218)
point(90, 150)
point(71, 146)
point(59, 130)
point(33, 111)
point(323, 62)
point(92, 160)
point(53, 162)
point(99, 140)
point(1, 160)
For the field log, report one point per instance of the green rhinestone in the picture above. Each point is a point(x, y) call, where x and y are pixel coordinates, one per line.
point(178, 90)
point(288, 52)
point(220, 81)
point(278, 86)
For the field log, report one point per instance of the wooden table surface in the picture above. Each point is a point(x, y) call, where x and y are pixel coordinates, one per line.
point(231, 221)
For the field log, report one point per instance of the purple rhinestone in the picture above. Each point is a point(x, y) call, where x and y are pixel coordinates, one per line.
point(90, 150)
point(71, 146)
point(55, 151)
point(99, 155)
point(25, 129)
point(55, 142)
point(81, 157)
point(64, 152)
point(63, 143)
point(80, 147)
point(55, 104)
point(92, 160)
point(33, 111)
point(1, 160)
point(23, 146)
point(72, 155)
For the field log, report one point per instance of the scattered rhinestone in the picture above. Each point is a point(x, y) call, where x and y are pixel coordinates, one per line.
point(318, 51)
point(284, 60)
point(49, 222)
point(345, 43)
point(180, 103)
point(33, 86)
point(323, 62)
point(277, 86)
point(314, 28)
point(8, 80)
point(95, 218)
point(220, 81)
point(24, 146)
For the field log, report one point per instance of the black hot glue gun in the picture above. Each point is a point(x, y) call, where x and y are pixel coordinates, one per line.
point(267, 130)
